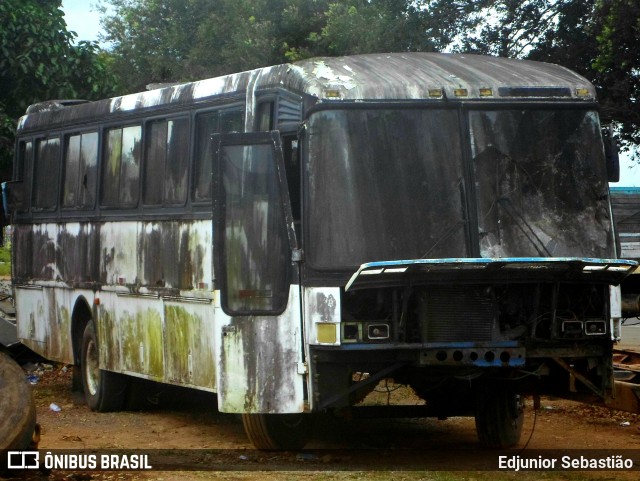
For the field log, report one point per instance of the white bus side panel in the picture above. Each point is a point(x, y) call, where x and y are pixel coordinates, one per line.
point(44, 323)
point(169, 341)
point(119, 252)
point(258, 361)
point(166, 336)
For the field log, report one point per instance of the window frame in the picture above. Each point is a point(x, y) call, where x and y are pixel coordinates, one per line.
point(148, 138)
point(79, 206)
point(198, 156)
point(251, 139)
point(34, 207)
point(104, 160)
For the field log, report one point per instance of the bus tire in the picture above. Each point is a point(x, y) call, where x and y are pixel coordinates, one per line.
point(104, 391)
point(278, 431)
point(499, 417)
point(18, 420)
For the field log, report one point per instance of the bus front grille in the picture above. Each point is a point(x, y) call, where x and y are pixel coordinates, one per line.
point(462, 314)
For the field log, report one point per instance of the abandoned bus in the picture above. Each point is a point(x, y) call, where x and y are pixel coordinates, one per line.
point(290, 237)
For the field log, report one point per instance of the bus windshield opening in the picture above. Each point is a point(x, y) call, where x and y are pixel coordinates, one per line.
point(388, 184)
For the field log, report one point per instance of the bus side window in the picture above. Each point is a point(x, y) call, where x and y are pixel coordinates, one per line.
point(167, 152)
point(155, 157)
point(206, 124)
point(264, 117)
point(255, 247)
point(231, 120)
point(47, 164)
point(22, 172)
point(25, 157)
point(177, 166)
point(80, 170)
point(121, 167)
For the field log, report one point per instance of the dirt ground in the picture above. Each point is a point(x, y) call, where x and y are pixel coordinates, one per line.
point(341, 449)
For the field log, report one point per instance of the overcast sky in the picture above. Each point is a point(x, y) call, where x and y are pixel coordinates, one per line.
point(81, 17)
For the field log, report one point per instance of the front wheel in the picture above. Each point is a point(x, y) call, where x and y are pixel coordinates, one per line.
point(18, 420)
point(103, 390)
point(499, 418)
point(278, 431)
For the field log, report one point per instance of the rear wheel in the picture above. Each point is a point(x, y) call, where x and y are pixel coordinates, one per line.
point(499, 418)
point(278, 431)
point(103, 390)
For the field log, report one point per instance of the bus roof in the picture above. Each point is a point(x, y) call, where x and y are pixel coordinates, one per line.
point(370, 77)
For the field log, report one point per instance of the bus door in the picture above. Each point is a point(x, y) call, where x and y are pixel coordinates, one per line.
point(259, 332)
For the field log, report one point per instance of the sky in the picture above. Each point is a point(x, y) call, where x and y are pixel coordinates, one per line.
point(81, 17)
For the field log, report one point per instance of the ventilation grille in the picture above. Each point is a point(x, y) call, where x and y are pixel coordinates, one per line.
point(459, 315)
point(288, 111)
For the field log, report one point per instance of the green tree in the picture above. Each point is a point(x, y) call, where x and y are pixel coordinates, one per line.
point(361, 26)
point(513, 28)
point(239, 35)
point(596, 38)
point(368, 26)
point(152, 39)
point(617, 64)
point(179, 40)
point(38, 61)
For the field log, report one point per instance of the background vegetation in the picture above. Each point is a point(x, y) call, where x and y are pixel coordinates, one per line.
point(180, 40)
point(5, 260)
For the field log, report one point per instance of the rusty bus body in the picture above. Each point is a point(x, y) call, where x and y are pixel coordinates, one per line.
point(625, 204)
point(288, 237)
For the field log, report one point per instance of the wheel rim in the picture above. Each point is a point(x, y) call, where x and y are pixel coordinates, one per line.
point(91, 368)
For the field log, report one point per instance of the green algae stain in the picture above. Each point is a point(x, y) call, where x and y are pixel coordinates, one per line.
point(142, 343)
point(65, 347)
point(151, 323)
point(189, 348)
point(109, 340)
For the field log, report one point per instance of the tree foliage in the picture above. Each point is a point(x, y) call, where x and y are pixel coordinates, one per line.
point(180, 40)
point(38, 61)
point(596, 38)
point(618, 64)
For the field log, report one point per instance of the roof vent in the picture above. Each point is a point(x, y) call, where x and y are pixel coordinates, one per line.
point(534, 92)
point(49, 105)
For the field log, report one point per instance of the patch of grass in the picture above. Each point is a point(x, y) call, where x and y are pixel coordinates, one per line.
point(5, 253)
point(5, 269)
point(5, 260)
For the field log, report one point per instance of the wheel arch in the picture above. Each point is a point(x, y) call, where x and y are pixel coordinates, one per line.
point(81, 316)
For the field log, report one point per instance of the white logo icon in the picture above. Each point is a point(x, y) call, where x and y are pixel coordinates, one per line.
point(23, 460)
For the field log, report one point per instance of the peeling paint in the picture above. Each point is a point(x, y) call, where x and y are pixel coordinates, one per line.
point(43, 327)
point(258, 362)
point(322, 305)
point(324, 72)
point(177, 261)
